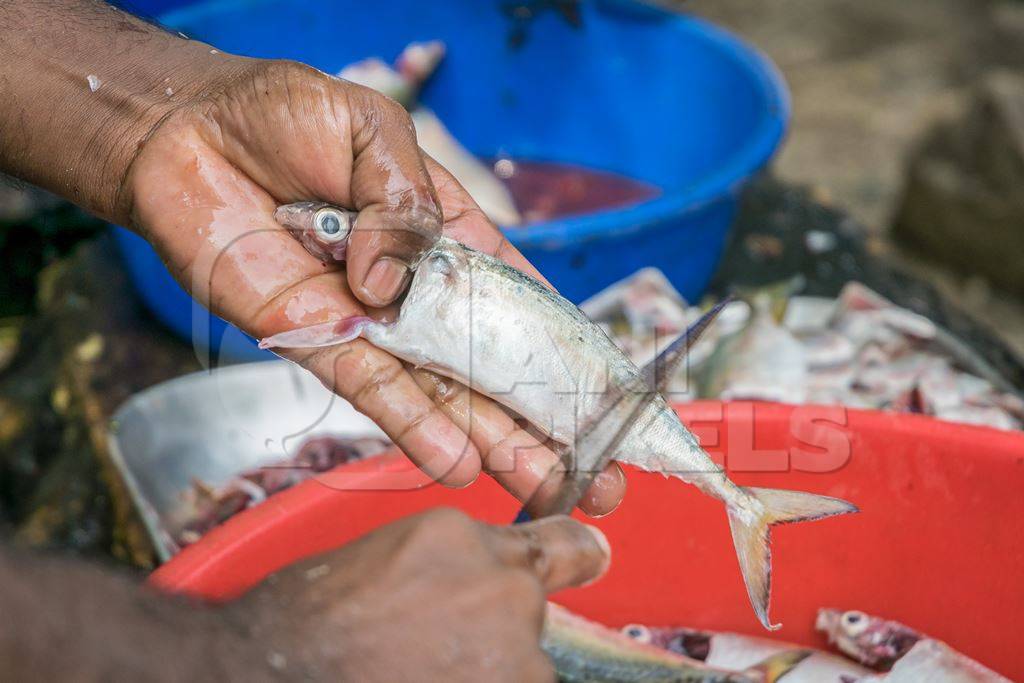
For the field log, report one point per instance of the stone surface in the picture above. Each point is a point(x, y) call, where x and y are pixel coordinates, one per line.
point(868, 77)
point(964, 201)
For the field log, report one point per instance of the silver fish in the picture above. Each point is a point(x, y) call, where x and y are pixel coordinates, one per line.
point(474, 318)
point(603, 430)
point(584, 651)
point(907, 654)
point(736, 651)
point(933, 660)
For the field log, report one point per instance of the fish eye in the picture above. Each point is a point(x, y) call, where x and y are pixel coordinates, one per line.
point(637, 632)
point(854, 622)
point(331, 225)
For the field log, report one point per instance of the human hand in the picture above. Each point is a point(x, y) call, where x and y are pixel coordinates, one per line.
point(194, 148)
point(203, 190)
point(435, 597)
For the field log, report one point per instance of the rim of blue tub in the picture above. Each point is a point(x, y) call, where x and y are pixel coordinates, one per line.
point(731, 174)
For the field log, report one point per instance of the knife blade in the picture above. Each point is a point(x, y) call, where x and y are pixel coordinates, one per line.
point(616, 416)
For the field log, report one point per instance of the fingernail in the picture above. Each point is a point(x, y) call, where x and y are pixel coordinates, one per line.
point(606, 548)
point(385, 281)
point(611, 478)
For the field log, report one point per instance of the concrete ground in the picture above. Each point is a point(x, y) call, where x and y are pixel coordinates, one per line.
point(868, 78)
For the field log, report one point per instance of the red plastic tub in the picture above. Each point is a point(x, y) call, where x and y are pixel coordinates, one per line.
point(939, 542)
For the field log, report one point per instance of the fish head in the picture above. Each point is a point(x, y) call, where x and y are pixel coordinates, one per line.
point(873, 641)
point(683, 641)
point(321, 228)
point(441, 283)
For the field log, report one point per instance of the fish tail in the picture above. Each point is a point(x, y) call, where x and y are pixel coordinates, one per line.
point(778, 665)
point(750, 526)
point(324, 334)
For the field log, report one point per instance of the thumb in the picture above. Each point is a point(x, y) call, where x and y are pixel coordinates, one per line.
point(559, 551)
point(399, 214)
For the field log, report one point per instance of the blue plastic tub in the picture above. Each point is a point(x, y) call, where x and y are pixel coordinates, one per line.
point(667, 99)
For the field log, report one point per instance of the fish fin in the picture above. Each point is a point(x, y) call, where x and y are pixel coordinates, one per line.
point(749, 526)
point(659, 371)
point(695, 331)
point(324, 334)
point(778, 665)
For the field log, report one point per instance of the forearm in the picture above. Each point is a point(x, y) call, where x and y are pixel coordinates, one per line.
point(76, 135)
point(64, 620)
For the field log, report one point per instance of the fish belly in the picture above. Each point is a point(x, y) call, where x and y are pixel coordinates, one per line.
point(559, 391)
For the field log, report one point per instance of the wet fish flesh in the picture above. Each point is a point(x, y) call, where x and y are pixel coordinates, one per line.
point(206, 506)
point(885, 644)
point(933, 660)
point(874, 642)
point(858, 350)
point(474, 318)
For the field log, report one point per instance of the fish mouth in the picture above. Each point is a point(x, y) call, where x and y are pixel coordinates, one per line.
point(827, 620)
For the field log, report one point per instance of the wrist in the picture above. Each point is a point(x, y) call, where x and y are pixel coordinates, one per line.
point(153, 91)
point(75, 111)
point(165, 90)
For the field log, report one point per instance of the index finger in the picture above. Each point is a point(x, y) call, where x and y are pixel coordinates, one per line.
point(466, 222)
point(559, 551)
point(514, 457)
point(399, 215)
